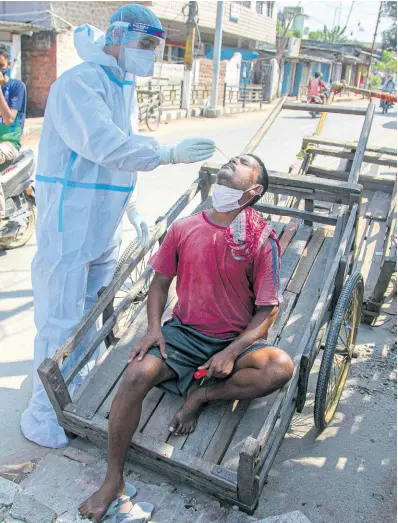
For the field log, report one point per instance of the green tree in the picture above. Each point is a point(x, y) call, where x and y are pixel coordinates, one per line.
point(374, 83)
point(388, 62)
point(316, 35)
point(389, 9)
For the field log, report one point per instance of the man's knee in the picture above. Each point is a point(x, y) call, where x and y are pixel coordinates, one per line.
point(282, 365)
point(142, 376)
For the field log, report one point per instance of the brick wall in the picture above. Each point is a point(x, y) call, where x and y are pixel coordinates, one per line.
point(206, 76)
point(250, 24)
point(38, 69)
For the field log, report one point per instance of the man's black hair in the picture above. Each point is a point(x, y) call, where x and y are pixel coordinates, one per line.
point(4, 51)
point(317, 75)
point(262, 178)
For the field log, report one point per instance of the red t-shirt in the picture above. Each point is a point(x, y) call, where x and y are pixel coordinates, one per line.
point(216, 293)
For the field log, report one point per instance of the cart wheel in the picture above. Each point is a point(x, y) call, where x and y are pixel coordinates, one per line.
point(124, 320)
point(338, 351)
point(152, 117)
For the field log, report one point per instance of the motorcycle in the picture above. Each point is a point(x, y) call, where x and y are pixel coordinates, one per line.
point(315, 100)
point(385, 106)
point(18, 226)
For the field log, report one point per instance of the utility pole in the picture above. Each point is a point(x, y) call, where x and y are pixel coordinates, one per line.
point(212, 111)
point(373, 44)
point(188, 56)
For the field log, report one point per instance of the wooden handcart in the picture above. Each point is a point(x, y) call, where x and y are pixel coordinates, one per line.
point(234, 445)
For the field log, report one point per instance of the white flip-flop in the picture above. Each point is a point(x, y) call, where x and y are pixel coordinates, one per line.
point(114, 507)
point(140, 513)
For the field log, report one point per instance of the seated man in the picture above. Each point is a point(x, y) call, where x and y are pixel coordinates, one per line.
point(226, 261)
point(12, 116)
point(316, 87)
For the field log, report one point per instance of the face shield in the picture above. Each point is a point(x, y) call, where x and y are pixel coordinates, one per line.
point(141, 47)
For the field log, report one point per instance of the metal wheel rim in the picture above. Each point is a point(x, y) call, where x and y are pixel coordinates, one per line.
point(342, 358)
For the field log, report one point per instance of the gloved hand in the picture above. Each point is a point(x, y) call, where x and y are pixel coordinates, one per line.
point(140, 225)
point(189, 150)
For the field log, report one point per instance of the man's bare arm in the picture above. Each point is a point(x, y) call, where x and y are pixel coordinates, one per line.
point(221, 364)
point(157, 299)
point(7, 114)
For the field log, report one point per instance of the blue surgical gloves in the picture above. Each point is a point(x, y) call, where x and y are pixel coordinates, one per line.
point(189, 150)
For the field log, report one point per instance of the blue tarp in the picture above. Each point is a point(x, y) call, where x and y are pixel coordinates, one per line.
point(228, 52)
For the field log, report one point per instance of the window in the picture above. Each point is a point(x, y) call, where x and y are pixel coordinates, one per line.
point(245, 4)
point(259, 7)
point(177, 55)
point(270, 9)
point(166, 53)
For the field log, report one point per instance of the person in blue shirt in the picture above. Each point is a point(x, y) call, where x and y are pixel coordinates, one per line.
point(12, 116)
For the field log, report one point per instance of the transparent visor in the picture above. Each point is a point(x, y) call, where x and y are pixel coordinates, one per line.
point(137, 36)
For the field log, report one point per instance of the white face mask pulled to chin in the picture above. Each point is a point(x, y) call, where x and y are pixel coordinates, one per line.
point(226, 199)
point(139, 62)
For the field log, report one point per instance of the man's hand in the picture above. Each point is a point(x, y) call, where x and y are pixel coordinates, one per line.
point(153, 338)
point(220, 365)
point(3, 79)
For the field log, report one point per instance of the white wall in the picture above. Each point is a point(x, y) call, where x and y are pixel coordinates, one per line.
point(67, 56)
point(232, 74)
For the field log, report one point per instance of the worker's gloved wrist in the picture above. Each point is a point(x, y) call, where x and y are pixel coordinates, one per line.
point(166, 153)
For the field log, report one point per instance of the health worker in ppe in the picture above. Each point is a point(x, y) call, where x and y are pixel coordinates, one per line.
point(89, 154)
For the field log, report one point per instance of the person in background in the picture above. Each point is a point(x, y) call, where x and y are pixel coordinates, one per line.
point(316, 86)
point(389, 85)
point(12, 116)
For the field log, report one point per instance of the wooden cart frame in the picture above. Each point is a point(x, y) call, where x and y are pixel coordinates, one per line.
point(318, 249)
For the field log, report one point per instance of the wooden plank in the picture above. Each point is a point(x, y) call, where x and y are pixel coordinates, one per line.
point(373, 255)
point(378, 159)
point(197, 442)
point(307, 259)
point(362, 143)
point(379, 206)
point(292, 255)
point(369, 182)
point(304, 186)
point(249, 426)
point(254, 142)
point(54, 385)
point(278, 227)
point(349, 145)
point(288, 234)
point(285, 308)
point(248, 481)
point(159, 423)
point(325, 109)
point(296, 213)
point(225, 431)
point(299, 318)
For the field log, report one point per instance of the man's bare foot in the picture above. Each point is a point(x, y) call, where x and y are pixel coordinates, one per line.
point(186, 419)
point(97, 504)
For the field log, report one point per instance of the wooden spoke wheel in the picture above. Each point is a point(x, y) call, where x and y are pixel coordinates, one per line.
point(125, 318)
point(338, 350)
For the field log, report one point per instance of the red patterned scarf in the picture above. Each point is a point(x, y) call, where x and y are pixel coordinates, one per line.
point(247, 233)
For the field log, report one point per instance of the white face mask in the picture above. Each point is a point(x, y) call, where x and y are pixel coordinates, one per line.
point(226, 199)
point(140, 62)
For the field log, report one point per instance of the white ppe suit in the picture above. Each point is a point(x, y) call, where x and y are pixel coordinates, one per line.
point(88, 156)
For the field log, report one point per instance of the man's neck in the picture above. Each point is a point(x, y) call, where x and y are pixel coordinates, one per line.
point(223, 219)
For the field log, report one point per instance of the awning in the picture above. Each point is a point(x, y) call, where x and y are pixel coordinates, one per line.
point(228, 52)
point(20, 27)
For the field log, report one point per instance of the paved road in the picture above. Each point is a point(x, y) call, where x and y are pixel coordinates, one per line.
point(158, 190)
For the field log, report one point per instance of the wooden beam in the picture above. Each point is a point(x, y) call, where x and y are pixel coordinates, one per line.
point(321, 108)
point(254, 142)
point(54, 385)
point(297, 213)
point(362, 143)
point(368, 182)
point(317, 140)
point(388, 161)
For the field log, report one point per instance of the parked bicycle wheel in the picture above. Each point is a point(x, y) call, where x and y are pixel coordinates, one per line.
point(338, 351)
point(152, 117)
point(125, 319)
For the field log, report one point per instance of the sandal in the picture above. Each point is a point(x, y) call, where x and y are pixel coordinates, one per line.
point(114, 507)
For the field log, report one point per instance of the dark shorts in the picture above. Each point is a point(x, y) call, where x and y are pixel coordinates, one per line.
point(188, 349)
